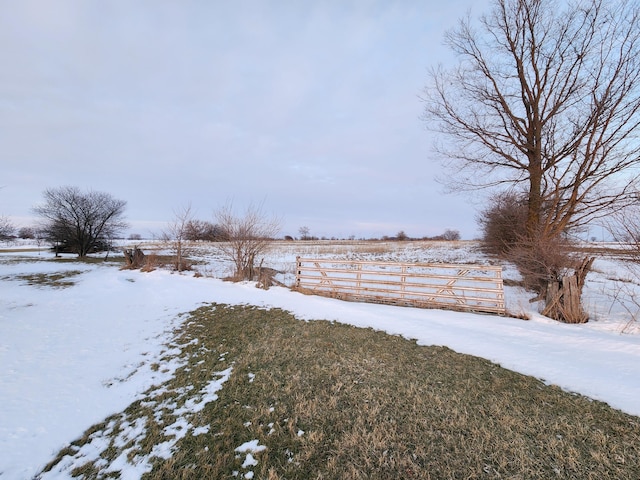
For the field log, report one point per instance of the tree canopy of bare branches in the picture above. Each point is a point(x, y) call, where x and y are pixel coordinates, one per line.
point(80, 221)
point(546, 99)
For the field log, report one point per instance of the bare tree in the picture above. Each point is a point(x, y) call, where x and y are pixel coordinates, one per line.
point(27, 233)
point(248, 236)
point(547, 97)
point(402, 236)
point(304, 233)
point(7, 228)
point(177, 237)
point(451, 235)
point(80, 221)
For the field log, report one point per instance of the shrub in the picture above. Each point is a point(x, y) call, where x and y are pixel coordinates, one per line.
point(503, 222)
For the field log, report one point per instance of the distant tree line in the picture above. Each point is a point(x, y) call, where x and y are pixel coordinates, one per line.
point(401, 236)
point(449, 235)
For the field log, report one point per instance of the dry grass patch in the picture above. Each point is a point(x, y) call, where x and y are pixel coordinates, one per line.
point(52, 280)
point(332, 401)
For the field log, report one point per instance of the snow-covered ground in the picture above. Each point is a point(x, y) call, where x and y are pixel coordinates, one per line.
point(69, 357)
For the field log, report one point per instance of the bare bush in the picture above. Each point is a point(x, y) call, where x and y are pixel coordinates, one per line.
point(503, 222)
point(134, 258)
point(248, 237)
point(151, 262)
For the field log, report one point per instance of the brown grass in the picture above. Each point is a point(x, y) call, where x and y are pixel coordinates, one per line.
point(52, 280)
point(331, 401)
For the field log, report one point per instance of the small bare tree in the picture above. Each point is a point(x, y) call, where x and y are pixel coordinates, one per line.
point(451, 235)
point(176, 237)
point(401, 236)
point(304, 233)
point(248, 237)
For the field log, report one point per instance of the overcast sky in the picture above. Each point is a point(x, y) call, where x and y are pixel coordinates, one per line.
point(311, 109)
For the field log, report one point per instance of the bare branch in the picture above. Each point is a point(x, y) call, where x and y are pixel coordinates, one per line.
point(547, 96)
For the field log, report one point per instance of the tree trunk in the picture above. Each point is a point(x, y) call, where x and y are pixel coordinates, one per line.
point(133, 258)
point(534, 205)
point(563, 299)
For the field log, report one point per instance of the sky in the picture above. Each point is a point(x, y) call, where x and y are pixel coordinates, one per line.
point(310, 109)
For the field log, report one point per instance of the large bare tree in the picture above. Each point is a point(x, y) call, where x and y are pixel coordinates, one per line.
point(546, 97)
point(80, 221)
point(546, 100)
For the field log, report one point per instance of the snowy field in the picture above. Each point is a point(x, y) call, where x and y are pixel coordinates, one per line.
point(72, 356)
